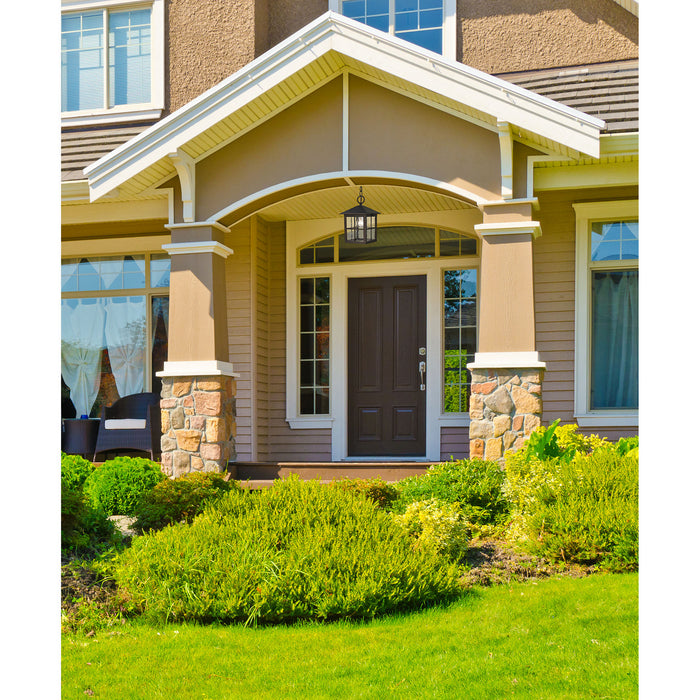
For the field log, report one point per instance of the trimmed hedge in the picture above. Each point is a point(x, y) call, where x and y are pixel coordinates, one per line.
point(118, 485)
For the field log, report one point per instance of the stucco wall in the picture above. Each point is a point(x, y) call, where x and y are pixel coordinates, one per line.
point(207, 41)
point(500, 36)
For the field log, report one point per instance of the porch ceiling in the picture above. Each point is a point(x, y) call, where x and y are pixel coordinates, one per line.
point(387, 199)
point(307, 60)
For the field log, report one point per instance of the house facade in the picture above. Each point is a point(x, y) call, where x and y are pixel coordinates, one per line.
point(209, 150)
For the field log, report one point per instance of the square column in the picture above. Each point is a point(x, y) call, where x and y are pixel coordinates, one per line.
point(198, 404)
point(506, 391)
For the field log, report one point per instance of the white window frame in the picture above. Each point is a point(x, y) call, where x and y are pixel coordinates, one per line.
point(449, 24)
point(130, 112)
point(586, 214)
point(302, 233)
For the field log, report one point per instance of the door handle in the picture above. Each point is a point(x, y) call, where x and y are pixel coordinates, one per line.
point(421, 371)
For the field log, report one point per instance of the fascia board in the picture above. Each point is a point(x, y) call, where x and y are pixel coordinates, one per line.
point(331, 31)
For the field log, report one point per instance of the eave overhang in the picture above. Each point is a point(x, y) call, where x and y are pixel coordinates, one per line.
point(320, 51)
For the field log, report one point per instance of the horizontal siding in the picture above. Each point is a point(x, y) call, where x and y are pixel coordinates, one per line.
point(454, 443)
point(277, 442)
point(239, 332)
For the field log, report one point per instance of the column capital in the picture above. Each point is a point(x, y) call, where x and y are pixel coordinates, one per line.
point(190, 247)
point(509, 228)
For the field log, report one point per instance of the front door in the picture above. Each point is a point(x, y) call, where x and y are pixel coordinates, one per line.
point(386, 344)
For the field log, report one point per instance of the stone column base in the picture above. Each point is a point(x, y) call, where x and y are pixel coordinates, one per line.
point(505, 407)
point(198, 424)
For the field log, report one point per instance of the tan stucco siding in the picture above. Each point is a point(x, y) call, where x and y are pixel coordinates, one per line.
point(421, 141)
point(303, 140)
point(288, 16)
point(554, 266)
point(208, 40)
point(501, 36)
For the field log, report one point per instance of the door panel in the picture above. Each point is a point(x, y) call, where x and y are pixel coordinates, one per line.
point(386, 326)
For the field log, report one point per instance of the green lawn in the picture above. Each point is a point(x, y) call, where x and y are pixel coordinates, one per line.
point(557, 638)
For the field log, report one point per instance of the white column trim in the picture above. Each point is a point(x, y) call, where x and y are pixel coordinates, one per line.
point(197, 368)
point(184, 164)
point(504, 360)
point(505, 140)
point(198, 247)
point(509, 228)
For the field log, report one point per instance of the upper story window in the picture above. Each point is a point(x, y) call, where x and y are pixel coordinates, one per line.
point(111, 60)
point(427, 23)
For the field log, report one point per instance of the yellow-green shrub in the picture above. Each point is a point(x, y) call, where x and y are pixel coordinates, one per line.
point(578, 506)
point(437, 526)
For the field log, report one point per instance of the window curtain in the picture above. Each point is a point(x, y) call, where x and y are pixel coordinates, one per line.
point(125, 332)
point(615, 341)
point(82, 334)
point(160, 309)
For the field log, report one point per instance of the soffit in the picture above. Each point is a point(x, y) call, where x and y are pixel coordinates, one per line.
point(302, 63)
point(387, 199)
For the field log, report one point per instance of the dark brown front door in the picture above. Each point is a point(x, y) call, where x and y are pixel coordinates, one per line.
point(386, 329)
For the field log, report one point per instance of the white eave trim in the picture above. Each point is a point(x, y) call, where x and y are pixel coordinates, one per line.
point(332, 32)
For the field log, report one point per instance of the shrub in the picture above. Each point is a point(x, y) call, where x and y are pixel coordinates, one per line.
point(475, 484)
point(381, 493)
point(437, 526)
point(174, 500)
point(74, 470)
point(298, 550)
point(582, 508)
point(117, 486)
point(85, 530)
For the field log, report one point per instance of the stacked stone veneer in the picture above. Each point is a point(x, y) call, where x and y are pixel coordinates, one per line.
point(505, 407)
point(198, 423)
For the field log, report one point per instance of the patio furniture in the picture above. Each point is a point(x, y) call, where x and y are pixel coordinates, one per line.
point(79, 436)
point(130, 423)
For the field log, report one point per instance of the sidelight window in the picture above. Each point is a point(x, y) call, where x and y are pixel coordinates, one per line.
point(314, 349)
point(459, 334)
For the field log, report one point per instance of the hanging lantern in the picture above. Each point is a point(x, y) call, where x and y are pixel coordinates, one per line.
point(360, 223)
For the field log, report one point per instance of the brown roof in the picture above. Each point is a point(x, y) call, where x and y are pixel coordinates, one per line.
point(80, 147)
point(609, 91)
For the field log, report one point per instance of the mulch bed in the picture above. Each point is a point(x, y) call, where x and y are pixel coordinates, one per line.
point(494, 562)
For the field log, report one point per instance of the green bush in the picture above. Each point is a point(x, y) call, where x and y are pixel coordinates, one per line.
point(298, 550)
point(582, 508)
point(376, 490)
point(174, 500)
point(74, 470)
point(437, 526)
point(85, 530)
point(118, 485)
point(475, 484)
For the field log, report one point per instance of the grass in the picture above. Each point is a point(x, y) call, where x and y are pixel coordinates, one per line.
point(556, 638)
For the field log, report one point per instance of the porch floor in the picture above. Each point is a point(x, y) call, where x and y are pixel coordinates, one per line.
point(327, 471)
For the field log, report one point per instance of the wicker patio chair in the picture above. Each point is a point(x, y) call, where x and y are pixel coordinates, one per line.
point(130, 423)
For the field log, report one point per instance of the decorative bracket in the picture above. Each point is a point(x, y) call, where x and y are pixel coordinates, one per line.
point(505, 138)
point(185, 167)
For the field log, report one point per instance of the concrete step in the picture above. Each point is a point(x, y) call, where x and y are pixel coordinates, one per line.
point(327, 471)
